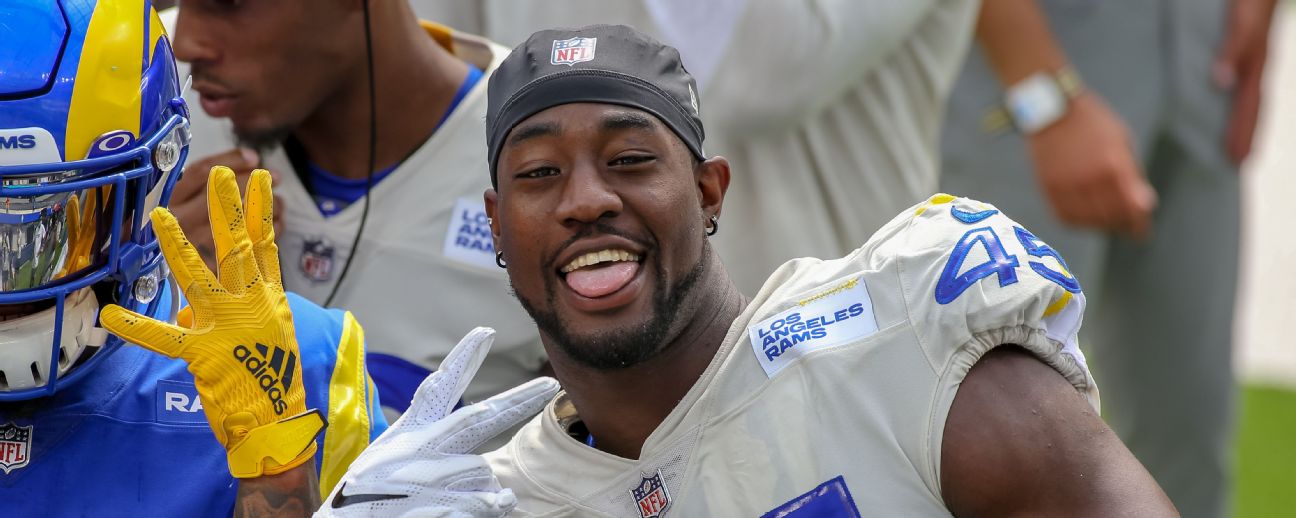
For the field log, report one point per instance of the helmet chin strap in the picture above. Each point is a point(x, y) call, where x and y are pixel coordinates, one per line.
point(90, 335)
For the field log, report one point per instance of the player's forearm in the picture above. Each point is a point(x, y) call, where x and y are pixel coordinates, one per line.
point(1016, 39)
point(292, 493)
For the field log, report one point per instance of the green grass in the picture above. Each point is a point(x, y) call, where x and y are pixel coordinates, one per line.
point(1266, 453)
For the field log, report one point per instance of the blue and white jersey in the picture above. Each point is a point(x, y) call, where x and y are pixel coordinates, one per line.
point(131, 438)
point(424, 272)
point(829, 395)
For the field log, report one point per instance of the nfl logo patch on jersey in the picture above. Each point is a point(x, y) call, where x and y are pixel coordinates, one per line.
point(317, 260)
point(572, 51)
point(15, 446)
point(651, 497)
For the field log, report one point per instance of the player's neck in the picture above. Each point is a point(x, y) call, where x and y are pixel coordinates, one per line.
point(621, 408)
point(416, 81)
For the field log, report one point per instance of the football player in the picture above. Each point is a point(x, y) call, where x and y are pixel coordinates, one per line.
point(934, 370)
point(93, 136)
point(369, 226)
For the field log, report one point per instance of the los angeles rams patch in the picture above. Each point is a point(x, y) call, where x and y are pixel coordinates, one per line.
point(468, 238)
point(835, 316)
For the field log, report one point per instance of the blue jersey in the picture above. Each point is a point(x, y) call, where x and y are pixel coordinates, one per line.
point(131, 438)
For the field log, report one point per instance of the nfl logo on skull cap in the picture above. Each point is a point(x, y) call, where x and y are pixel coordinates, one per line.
point(572, 51)
point(15, 446)
point(651, 497)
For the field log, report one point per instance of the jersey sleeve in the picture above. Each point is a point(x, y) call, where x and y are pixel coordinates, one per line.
point(338, 383)
point(973, 279)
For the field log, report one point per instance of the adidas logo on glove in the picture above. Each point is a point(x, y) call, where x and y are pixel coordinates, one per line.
point(265, 367)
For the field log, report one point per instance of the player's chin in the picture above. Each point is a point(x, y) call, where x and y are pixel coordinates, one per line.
point(612, 345)
point(258, 128)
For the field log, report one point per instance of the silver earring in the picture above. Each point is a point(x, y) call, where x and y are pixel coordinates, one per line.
point(715, 225)
point(499, 259)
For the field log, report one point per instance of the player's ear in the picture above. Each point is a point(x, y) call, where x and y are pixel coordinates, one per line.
point(491, 197)
point(712, 181)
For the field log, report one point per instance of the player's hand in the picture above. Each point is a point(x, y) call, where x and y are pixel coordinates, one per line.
point(237, 332)
point(1086, 167)
point(423, 464)
point(189, 204)
point(1239, 68)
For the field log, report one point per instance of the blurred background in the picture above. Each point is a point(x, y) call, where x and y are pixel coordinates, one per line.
point(1264, 348)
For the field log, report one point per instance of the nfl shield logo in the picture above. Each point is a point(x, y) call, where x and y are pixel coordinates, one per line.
point(317, 260)
point(651, 497)
point(15, 446)
point(572, 51)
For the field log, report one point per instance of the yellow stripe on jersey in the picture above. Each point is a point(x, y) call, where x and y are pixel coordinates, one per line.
point(836, 289)
point(936, 199)
point(109, 99)
point(350, 393)
point(441, 34)
point(1058, 304)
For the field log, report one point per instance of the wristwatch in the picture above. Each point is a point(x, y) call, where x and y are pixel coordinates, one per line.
point(1036, 102)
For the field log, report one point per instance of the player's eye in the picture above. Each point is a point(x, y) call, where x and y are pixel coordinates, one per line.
point(539, 172)
point(631, 160)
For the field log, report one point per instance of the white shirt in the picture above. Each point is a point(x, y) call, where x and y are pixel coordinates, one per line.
point(831, 390)
point(828, 110)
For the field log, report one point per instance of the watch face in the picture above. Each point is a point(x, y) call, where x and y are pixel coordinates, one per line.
point(1035, 102)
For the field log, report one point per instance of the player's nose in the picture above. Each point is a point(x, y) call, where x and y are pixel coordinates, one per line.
point(587, 197)
point(189, 42)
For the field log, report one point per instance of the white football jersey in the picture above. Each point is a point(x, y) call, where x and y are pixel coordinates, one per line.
point(425, 272)
point(831, 390)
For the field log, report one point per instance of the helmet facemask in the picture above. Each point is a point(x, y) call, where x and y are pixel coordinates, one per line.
point(93, 135)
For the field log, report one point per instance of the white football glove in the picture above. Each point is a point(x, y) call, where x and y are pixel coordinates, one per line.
point(423, 464)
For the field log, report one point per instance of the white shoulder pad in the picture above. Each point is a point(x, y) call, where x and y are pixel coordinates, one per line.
point(975, 279)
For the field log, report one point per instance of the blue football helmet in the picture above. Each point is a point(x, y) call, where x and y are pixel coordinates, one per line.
point(93, 135)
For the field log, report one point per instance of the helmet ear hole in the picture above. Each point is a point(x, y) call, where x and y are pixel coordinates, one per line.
point(36, 373)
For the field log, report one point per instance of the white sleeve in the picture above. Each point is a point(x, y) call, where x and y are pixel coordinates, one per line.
point(975, 279)
point(700, 30)
point(773, 61)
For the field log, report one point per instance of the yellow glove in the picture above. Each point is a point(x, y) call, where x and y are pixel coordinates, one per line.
point(237, 333)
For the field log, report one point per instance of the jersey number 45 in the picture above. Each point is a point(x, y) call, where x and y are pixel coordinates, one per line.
point(1000, 263)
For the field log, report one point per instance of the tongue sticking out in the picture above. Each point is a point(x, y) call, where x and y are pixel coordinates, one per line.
point(600, 281)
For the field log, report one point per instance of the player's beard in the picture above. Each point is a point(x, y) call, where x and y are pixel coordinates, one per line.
point(612, 349)
point(262, 141)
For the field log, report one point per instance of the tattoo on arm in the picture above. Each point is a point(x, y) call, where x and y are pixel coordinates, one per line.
point(290, 494)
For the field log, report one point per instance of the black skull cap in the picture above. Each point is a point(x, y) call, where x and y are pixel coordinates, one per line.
point(612, 64)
